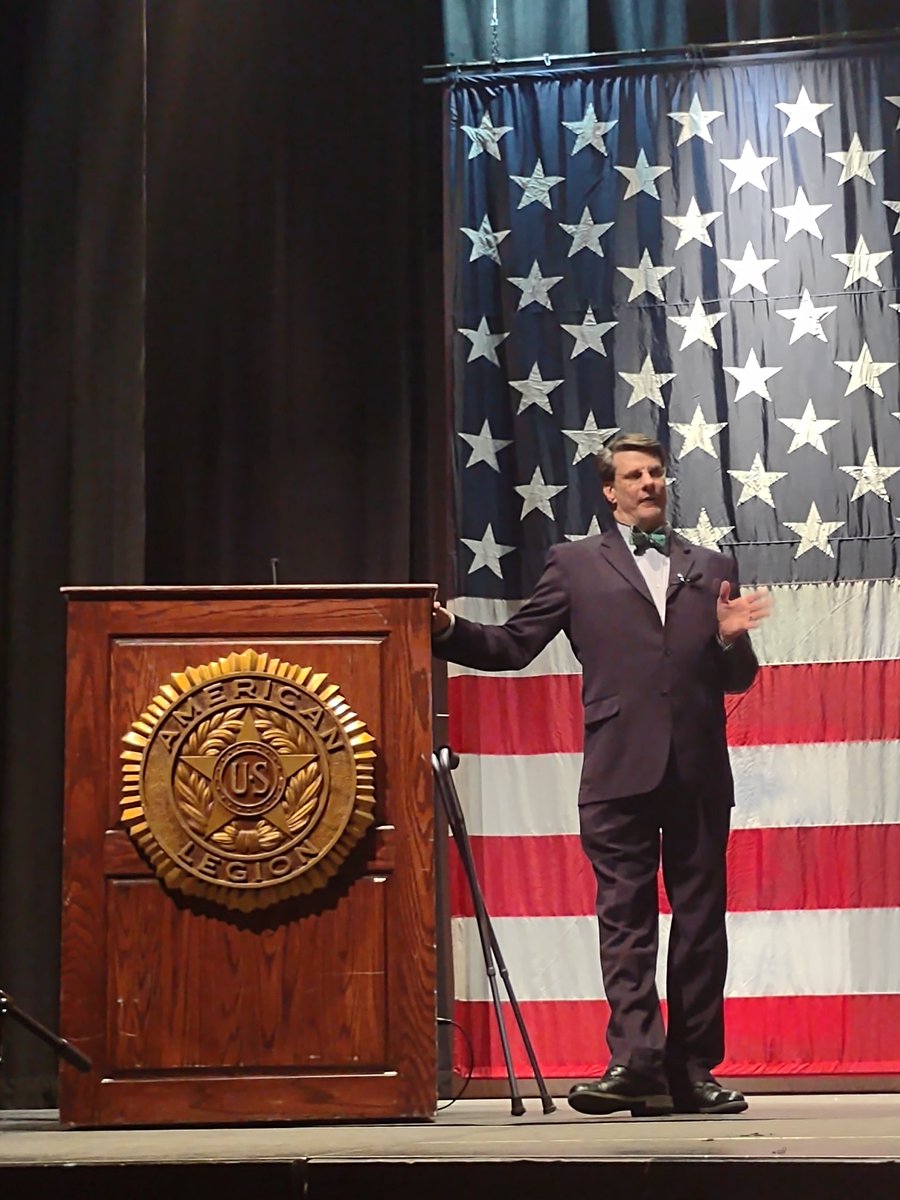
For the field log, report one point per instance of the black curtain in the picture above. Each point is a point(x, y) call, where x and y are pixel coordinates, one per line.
point(213, 347)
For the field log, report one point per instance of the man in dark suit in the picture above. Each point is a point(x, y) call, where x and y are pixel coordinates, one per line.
point(661, 632)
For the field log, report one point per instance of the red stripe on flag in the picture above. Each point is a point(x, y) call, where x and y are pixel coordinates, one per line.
point(771, 1035)
point(809, 702)
point(839, 866)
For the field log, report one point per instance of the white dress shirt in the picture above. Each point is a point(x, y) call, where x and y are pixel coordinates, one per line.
point(654, 567)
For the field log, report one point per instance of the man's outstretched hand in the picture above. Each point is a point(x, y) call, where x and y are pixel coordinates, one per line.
point(743, 613)
point(440, 619)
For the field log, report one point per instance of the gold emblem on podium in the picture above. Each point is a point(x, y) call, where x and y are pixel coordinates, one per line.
point(247, 780)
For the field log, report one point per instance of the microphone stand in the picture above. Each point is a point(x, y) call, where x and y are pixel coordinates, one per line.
point(443, 762)
point(65, 1050)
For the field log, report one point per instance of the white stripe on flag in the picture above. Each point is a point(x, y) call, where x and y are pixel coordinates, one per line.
point(822, 952)
point(842, 783)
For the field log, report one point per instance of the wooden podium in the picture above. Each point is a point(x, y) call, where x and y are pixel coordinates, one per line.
point(219, 963)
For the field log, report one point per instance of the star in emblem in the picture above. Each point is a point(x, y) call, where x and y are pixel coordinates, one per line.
point(589, 131)
point(589, 334)
point(862, 263)
point(222, 812)
point(485, 241)
point(757, 482)
point(485, 136)
point(586, 234)
point(647, 383)
point(484, 343)
point(594, 530)
point(695, 122)
point(808, 429)
point(536, 186)
point(748, 169)
point(807, 318)
point(752, 378)
point(590, 439)
point(535, 286)
point(698, 434)
point(801, 216)
point(487, 552)
point(813, 532)
point(864, 372)
point(536, 495)
point(693, 225)
point(535, 390)
point(704, 533)
point(894, 206)
point(641, 177)
point(894, 100)
point(855, 161)
point(484, 447)
point(645, 277)
point(803, 114)
point(749, 271)
point(870, 477)
point(698, 326)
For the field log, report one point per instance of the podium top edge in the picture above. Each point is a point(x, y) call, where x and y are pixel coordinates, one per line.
point(270, 591)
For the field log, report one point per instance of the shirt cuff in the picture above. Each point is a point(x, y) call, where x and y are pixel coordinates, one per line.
point(725, 645)
point(442, 637)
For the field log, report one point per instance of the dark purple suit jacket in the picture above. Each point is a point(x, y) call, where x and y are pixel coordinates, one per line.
point(648, 688)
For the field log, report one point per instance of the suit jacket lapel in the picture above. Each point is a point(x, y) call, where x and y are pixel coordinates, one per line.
point(617, 554)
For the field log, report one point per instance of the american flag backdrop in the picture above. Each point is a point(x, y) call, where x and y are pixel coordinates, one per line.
point(709, 254)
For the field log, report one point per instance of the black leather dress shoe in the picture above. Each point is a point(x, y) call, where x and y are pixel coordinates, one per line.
point(708, 1096)
point(621, 1089)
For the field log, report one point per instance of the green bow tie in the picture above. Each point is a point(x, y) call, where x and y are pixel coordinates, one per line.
point(642, 541)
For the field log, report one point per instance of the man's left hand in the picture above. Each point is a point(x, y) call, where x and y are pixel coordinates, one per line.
point(743, 613)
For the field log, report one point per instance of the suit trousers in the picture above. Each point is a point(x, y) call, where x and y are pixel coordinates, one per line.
point(624, 840)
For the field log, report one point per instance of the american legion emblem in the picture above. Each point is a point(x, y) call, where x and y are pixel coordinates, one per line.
point(247, 780)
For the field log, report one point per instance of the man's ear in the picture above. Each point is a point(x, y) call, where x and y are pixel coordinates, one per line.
point(610, 493)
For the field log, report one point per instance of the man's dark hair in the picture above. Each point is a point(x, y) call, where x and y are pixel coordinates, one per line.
point(627, 441)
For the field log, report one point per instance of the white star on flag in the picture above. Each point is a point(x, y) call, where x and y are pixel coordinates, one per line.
point(749, 271)
point(536, 186)
point(485, 136)
point(752, 377)
point(803, 114)
point(808, 429)
point(594, 530)
point(807, 318)
point(894, 100)
point(484, 343)
point(801, 216)
point(586, 234)
point(589, 131)
point(484, 447)
point(487, 551)
point(647, 383)
point(589, 334)
point(535, 286)
point(862, 264)
point(536, 495)
point(590, 439)
point(894, 206)
point(535, 390)
point(748, 169)
point(695, 122)
point(756, 484)
point(698, 326)
point(645, 277)
point(704, 533)
point(870, 477)
point(855, 161)
point(485, 241)
point(864, 372)
point(698, 434)
point(693, 225)
point(641, 177)
point(813, 532)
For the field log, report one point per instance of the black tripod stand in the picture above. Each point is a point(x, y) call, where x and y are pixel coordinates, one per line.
point(65, 1050)
point(443, 761)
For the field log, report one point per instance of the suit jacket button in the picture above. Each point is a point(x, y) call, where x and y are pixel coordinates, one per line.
point(664, 691)
point(667, 652)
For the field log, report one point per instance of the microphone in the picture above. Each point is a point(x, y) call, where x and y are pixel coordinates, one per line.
point(688, 580)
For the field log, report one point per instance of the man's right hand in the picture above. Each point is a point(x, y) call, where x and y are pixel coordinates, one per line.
point(440, 619)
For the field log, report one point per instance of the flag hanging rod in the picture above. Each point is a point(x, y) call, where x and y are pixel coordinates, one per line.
point(447, 72)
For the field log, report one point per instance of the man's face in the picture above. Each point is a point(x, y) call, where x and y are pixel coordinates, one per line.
point(638, 493)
